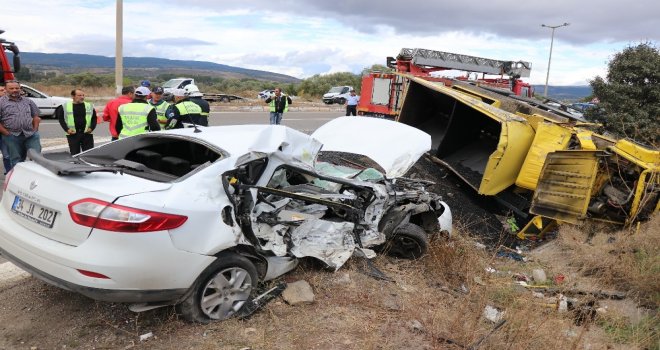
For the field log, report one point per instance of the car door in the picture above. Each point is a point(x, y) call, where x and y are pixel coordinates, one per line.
point(39, 99)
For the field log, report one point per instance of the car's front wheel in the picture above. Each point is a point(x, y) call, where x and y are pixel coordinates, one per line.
point(408, 241)
point(225, 287)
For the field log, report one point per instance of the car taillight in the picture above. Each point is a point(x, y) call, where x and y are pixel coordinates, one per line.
point(102, 215)
point(7, 177)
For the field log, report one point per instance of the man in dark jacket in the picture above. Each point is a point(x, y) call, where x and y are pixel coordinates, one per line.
point(195, 96)
point(279, 103)
point(78, 119)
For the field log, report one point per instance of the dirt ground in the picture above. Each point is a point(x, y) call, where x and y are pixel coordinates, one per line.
point(436, 302)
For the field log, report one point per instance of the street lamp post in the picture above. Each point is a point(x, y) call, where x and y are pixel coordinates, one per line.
point(552, 39)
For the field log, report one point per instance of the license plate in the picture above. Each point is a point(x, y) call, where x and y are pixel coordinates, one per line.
point(34, 212)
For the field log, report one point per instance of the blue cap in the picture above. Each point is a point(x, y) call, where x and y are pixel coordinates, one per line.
point(145, 83)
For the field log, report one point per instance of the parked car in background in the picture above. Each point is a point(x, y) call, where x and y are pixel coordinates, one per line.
point(197, 217)
point(45, 102)
point(583, 106)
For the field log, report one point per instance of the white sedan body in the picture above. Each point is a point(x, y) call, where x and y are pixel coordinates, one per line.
point(46, 103)
point(73, 223)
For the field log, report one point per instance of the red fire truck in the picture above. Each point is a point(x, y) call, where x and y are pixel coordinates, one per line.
point(382, 92)
point(7, 71)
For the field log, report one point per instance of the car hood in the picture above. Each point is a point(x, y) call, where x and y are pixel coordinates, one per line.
point(396, 147)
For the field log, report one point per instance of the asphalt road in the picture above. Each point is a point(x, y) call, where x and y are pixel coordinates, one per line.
point(52, 134)
point(303, 121)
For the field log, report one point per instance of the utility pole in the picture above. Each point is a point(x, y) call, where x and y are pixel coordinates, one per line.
point(552, 39)
point(119, 42)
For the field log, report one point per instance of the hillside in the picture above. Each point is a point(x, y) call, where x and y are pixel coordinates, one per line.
point(565, 93)
point(143, 66)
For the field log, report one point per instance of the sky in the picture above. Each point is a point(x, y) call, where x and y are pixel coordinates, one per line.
point(303, 38)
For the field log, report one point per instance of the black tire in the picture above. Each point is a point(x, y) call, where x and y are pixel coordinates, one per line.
point(227, 285)
point(224, 99)
point(408, 241)
point(341, 100)
point(327, 102)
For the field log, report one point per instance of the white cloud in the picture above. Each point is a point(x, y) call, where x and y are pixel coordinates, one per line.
point(303, 38)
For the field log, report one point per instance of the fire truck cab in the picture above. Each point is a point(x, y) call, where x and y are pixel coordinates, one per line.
point(382, 92)
point(8, 70)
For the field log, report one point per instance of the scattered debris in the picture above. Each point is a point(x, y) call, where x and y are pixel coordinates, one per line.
point(146, 336)
point(479, 281)
point(539, 276)
point(262, 299)
point(492, 314)
point(559, 279)
point(511, 255)
point(562, 303)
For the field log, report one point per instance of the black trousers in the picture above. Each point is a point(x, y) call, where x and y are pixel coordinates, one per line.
point(80, 142)
point(351, 110)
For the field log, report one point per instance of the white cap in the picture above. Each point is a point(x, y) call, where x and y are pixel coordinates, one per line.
point(179, 92)
point(142, 91)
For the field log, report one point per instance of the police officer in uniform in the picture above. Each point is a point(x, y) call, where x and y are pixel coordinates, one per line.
point(78, 119)
point(160, 104)
point(195, 96)
point(183, 111)
point(138, 116)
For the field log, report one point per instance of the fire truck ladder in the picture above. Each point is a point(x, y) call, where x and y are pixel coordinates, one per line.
point(448, 60)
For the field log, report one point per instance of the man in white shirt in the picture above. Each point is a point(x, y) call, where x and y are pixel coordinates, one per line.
point(351, 103)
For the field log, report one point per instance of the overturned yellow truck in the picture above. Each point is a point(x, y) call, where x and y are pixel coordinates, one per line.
point(543, 167)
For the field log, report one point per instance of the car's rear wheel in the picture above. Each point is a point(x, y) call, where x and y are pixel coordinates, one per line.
point(225, 287)
point(408, 241)
point(341, 100)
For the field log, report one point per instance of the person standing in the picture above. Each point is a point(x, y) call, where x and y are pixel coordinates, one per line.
point(138, 116)
point(160, 105)
point(195, 96)
point(78, 119)
point(351, 103)
point(182, 111)
point(112, 109)
point(279, 104)
point(19, 123)
point(3, 145)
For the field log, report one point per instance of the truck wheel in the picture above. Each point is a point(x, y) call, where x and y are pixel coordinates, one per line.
point(221, 291)
point(408, 241)
point(224, 99)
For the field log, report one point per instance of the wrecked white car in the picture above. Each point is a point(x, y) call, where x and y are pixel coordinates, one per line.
point(197, 217)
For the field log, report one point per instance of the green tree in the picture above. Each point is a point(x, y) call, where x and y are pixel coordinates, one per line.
point(377, 68)
point(630, 95)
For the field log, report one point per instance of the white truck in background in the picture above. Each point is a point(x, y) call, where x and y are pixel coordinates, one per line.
point(180, 83)
point(337, 94)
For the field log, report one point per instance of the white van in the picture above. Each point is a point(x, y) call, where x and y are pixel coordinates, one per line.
point(337, 94)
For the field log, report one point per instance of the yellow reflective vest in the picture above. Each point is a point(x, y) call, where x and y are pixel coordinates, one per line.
point(68, 115)
point(134, 118)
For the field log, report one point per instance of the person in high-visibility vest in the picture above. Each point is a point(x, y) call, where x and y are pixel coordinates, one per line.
point(160, 105)
point(279, 103)
point(138, 116)
point(78, 119)
point(195, 96)
point(183, 111)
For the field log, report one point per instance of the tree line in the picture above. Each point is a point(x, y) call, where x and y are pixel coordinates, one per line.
point(629, 96)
